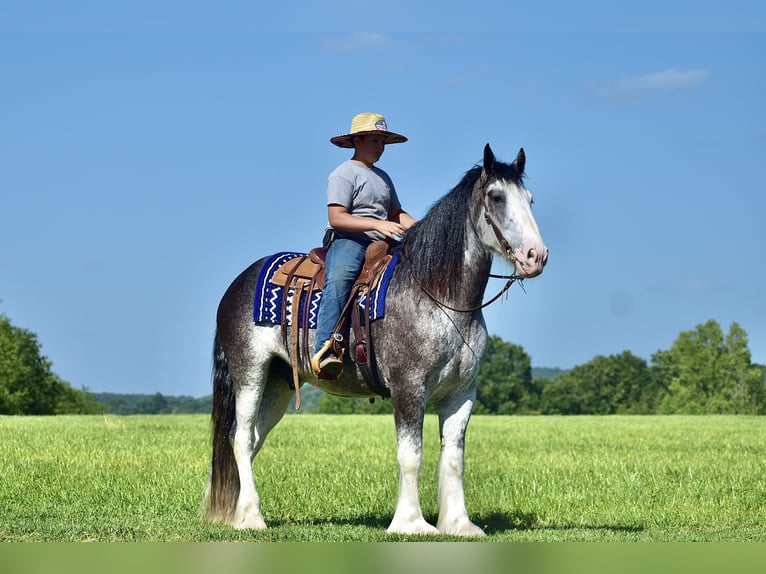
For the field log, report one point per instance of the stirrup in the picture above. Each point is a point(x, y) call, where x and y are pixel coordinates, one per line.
point(327, 366)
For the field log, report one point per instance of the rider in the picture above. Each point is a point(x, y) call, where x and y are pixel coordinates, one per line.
point(362, 206)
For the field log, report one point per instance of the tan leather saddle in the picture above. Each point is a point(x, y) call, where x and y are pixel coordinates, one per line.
point(305, 274)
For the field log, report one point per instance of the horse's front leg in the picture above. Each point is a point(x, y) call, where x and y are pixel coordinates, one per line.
point(408, 517)
point(453, 516)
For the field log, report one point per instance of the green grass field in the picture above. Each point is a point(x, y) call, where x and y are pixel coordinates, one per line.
point(334, 478)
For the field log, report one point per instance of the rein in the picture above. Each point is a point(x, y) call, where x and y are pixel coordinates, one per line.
point(511, 279)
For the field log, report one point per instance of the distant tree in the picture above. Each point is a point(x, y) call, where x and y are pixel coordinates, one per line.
point(310, 396)
point(71, 401)
point(155, 404)
point(546, 372)
point(28, 386)
point(705, 372)
point(505, 385)
point(759, 389)
point(335, 405)
point(133, 404)
point(190, 405)
point(617, 384)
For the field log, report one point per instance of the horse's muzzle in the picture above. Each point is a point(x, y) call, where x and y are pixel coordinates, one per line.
point(530, 263)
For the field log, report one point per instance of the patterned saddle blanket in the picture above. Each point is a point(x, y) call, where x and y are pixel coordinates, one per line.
point(269, 295)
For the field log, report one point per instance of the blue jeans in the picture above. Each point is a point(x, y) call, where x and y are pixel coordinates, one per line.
point(342, 265)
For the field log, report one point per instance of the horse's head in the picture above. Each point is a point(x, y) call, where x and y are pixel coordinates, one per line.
point(510, 228)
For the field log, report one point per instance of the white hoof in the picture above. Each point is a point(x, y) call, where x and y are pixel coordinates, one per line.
point(464, 528)
point(251, 522)
point(417, 527)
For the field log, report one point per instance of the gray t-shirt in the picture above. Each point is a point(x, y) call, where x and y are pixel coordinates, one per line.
point(363, 191)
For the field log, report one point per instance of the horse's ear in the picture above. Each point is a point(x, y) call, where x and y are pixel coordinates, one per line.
point(489, 160)
point(519, 162)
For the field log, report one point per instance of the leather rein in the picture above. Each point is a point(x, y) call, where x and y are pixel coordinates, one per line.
point(508, 253)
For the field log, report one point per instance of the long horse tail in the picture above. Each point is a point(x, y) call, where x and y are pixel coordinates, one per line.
point(224, 485)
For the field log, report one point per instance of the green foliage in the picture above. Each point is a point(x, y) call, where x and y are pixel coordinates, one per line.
point(156, 404)
point(335, 405)
point(618, 384)
point(310, 396)
point(505, 385)
point(705, 372)
point(72, 401)
point(28, 386)
point(546, 372)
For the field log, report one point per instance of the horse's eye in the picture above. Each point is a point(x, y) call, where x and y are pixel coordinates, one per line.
point(496, 197)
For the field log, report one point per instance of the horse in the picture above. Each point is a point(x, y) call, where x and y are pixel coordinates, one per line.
point(428, 350)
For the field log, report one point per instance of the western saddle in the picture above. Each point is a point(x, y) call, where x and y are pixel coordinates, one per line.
point(305, 274)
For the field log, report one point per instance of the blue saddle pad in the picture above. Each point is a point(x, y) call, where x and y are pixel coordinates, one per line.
point(267, 305)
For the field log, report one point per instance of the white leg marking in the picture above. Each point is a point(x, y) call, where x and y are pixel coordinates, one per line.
point(453, 516)
point(248, 512)
point(408, 517)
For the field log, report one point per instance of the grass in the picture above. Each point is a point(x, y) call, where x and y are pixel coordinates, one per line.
point(334, 478)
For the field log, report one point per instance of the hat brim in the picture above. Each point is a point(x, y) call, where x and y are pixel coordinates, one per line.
point(346, 140)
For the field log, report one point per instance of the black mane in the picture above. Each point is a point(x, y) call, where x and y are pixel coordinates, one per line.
point(434, 247)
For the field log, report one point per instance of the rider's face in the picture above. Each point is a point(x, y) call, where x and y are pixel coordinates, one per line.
point(369, 148)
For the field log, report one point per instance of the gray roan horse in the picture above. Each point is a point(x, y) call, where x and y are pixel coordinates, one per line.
point(428, 349)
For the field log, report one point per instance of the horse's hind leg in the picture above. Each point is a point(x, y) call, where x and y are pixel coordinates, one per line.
point(453, 516)
point(245, 442)
point(259, 407)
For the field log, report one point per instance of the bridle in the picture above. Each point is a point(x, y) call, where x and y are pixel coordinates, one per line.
point(507, 249)
point(498, 234)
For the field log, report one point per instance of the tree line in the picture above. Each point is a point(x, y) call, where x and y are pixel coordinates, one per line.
point(28, 386)
point(156, 404)
point(704, 372)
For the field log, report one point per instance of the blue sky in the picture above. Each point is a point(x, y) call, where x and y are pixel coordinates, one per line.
point(150, 151)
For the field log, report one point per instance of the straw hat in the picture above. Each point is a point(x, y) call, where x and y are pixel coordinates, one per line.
point(367, 123)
